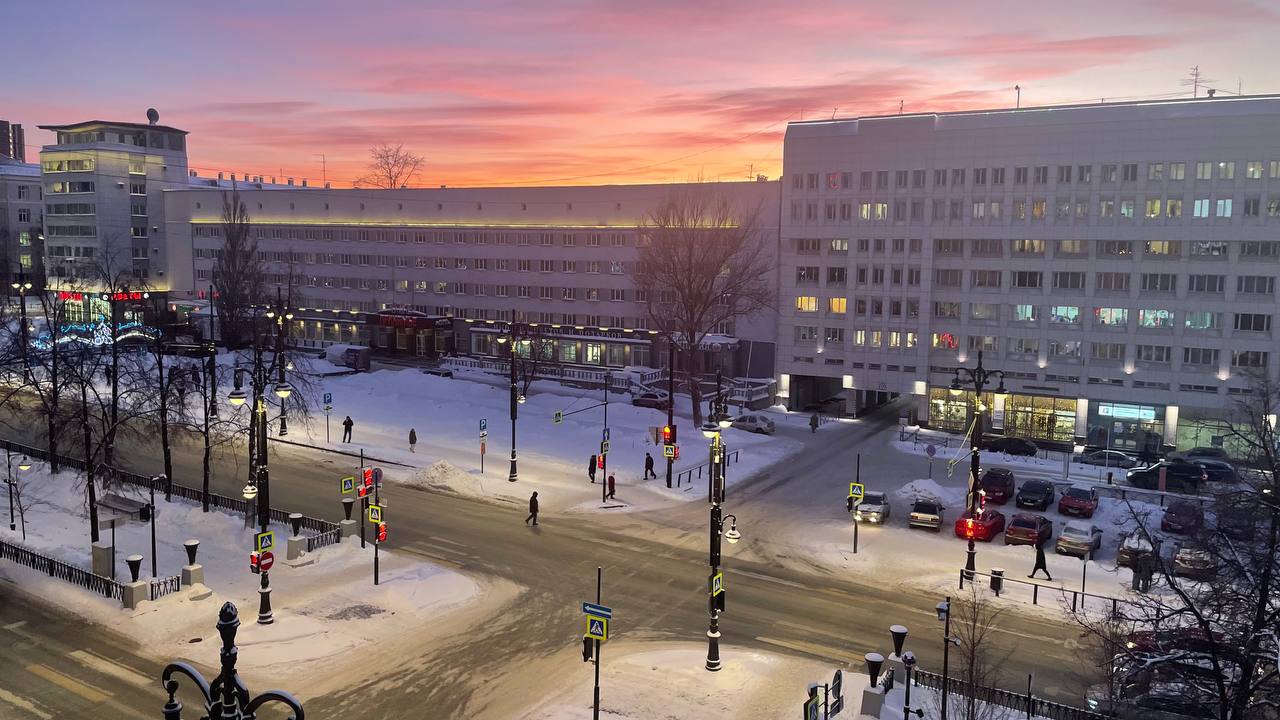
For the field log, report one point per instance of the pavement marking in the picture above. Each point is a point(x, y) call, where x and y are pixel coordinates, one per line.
point(66, 682)
point(447, 541)
point(15, 625)
point(804, 647)
point(23, 704)
point(767, 578)
point(110, 667)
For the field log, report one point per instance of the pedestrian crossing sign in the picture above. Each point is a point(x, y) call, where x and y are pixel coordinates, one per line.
point(265, 541)
point(604, 447)
point(855, 490)
point(669, 451)
point(597, 627)
point(717, 584)
point(348, 485)
point(375, 514)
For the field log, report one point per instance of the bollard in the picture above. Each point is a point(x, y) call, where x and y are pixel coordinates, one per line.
point(347, 505)
point(135, 566)
point(1109, 478)
point(295, 520)
point(997, 580)
point(899, 635)
point(874, 662)
point(191, 546)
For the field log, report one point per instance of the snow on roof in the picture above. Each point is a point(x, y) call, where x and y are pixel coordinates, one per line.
point(13, 167)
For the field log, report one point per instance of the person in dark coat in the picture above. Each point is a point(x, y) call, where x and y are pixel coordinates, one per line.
point(533, 509)
point(648, 467)
point(591, 469)
point(813, 423)
point(346, 429)
point(413, 440)
point(609, 494)
point(1040, 563)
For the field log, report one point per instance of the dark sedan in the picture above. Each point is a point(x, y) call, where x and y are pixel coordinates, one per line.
point(1180, 476)
point(1035, 494)
point(1182, 516)
point(1106, 458)
point(1011, 446)
point(1217, 470)
point(1028, 529)
point(998, 484)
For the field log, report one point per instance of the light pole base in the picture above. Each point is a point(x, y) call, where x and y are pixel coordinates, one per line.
point(265, 616)
point(970, 562)
point(512, 476)
point(713, 650)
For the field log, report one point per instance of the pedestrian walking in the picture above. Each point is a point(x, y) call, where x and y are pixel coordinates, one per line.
point(609, 494)
point(813, 423)
point(591, 469)
point(533, 509)
point(413, 440)
point(346, 429)
point(648, 467)
point(1040, 563)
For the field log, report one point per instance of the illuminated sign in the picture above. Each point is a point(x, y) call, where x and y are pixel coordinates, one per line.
point(72, 296)
point(130, 295)
point(96, 334)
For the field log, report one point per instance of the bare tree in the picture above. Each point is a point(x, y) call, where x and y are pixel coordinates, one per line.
point(238, 278)
point(703, 262)
point(391, 167)
point(974, 618)
point(536, 352)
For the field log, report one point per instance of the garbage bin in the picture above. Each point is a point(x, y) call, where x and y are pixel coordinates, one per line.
point(997, 580)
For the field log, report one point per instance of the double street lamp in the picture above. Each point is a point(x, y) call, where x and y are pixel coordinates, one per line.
point(22, 285)
point(23, 465)
point(716, 422)
point(517, 398)
point(944, 615)
point(978, 378)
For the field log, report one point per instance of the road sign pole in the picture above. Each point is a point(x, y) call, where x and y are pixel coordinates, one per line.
point(326, 425)
point(595, 711)
point(375, 537)
point(857, 475)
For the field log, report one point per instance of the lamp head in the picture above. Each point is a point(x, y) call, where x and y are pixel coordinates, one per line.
point(520, 399)
point(1000, 391)
point(249, 492)
point(502, 339)
point(733, 535)
point(943, 608)
point(237, 396)
point(724, 421)
point(283, 390)
point(24, 463)
point(955, 387)
point(710, 429)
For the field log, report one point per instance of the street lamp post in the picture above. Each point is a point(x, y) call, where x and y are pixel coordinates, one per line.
point(23, 465)
point(944, 614)
point(671, 396)
point(22, 286)
point(979, 377)
point(513, 331)
point(717, 421)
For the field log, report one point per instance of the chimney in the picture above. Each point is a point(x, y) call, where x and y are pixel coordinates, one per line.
point(1211, 92)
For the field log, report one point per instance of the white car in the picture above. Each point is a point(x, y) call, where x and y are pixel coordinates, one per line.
point(873, 508)
point(755, 423)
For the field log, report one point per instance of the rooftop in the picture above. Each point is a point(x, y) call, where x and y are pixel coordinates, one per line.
point(96, 123)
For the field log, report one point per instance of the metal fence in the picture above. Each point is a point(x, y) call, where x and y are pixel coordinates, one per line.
point(696, 471)
point(164, 586)
point(58, 569)
point(1024, 702)
point(324, 539)
point(1080, 599)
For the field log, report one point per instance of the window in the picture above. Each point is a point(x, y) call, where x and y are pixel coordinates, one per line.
point(986, 343)
point(1252, 207)
point(1226, 170)
point(1020, 176)
point(987, 247)
point(985, 278)
point(1038, 208)
point(996, 210)
point(882, 179)
point(1065, 348)
point(1209, 248)
point(1111, 316)
point(1109, 174)
point(1212, 284)
point(807, 275)
point(1153, 353)
point(1155, 318)
point(1155, 171)
point(1200, 207)
point(1026, 279)
point(997, 176)
point(1204, 171)
point(1067, 247)
point(1106, 351)
point(939, 178)
point(1259, 249)
point(806, 333)
point(1252, 322)
point(978, 210)
point(1199, 356)
point(1064, 314)
point(1273, 207)
point(839, 246)
point(545, 266)
point(1107, 208)
point(1249, 358)
point(1159, 282)
point(837, 305)
point(1024, 346)
point(807, 246)
point(24, 215)
point(1253, 170)
point(1041, 174)
point(1064, 280)
point(957, 212)
point(837, 275)
point(917, 178)
point(900, 179)
point(1130, 171)
point(1203, 320)
point(948, 246)
point(1223, 208)
point(1064, 174)
point(984, 311)
point(23, 192)
point(946, 309)
point(1173, 208)
point(1152, 209)
point(1161, 247)
point(1126, 209)
point(1112, 282)
point(946, 278)
point(1256, 284)
point(1115, 248)
point(979, 176)
point(806, 303)
point(865, 180)
point(1177, 171)
point(833, 335)
point(1026, 313)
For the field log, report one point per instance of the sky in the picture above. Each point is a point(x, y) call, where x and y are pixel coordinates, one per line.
point(499, 92)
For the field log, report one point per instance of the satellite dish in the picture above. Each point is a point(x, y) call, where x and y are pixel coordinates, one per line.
point(153, 117)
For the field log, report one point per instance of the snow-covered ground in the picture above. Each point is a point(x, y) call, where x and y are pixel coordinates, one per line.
point(552, 457)
point(328, 614)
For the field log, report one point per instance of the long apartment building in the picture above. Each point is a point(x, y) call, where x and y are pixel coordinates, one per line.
point(1117, 261)
point(405, 270)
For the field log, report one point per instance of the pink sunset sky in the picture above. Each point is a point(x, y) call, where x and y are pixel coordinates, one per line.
point(570, 91)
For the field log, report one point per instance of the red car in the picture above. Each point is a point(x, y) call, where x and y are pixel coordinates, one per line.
point(1028, 529)
point(1078, 500)
point(998, 484)
point(984, 527)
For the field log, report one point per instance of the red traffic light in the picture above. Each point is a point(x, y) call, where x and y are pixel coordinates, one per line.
point(668, 434)
point(382, 532)
point(982, 500)
point(600, 461)
point(675, 454)
point(968, 527)
point(253, 563)
point(367, 475)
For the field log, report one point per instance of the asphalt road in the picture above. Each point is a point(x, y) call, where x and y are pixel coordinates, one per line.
point(655, 577)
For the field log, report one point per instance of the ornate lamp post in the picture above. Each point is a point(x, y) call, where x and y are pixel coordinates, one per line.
point(979, 378)
point(23, 465)
point(21, 285)
point(517, 399)
point(716, 422)
point(944, 615)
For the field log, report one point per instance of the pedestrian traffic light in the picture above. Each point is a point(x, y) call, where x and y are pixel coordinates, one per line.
point(668, 434)
point(253, 563)
point(675, 453)
point(982, 499)
point(382, 532)
point(716, 525)
point(367, 475)
point(600, 461)
point(718, 600)
point(848, 504)
point(968, 528)
point(587, 647)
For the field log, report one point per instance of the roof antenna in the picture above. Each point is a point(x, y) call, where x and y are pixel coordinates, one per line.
point(1018, 89)
point(899, 107)
point(833, 112)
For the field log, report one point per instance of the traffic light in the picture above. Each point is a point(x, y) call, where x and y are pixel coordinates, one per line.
point(668, 434)
point(253, 563)
point(587, 647)
point(719, 601)
point(367, 476)
point(600, 461)
point(675, 454)
point(382, 532)
point(982, 500)
point(968, 528)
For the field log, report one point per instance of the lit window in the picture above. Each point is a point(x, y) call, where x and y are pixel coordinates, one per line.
point(806, 303)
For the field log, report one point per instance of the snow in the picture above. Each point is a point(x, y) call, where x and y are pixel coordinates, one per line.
point(324, 611)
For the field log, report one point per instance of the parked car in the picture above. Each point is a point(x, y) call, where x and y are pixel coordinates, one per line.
point(651, 399)
point(755, 423)
point(1080, 539)
point(1182, 516)
point(1106, 458)
point(1238, 518)
point(1035, 494)
point(1079, 500)
point(1200, 453)
point(1136, 543)
point(998, 484)
point(874, 508)
point(1191, 560)
point(1175, 690)
point(1028, 529)
point(1169, 640)
point(926, 514)
point(988, 523)
point(1217, 470)
point(438, 372)
point(1011, 445)
point(1180, 476)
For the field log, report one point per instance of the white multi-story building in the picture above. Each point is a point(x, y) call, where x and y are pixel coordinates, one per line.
point(1117, 261)
point(21, 220)
point(404, 270)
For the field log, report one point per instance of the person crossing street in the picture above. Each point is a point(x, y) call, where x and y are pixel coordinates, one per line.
point(533, 509)
point(648, 467)
point(346, 429)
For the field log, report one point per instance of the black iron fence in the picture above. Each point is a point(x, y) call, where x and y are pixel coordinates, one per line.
point(324, 539)
point(688, 476)
point(61, 570)
point(1003, 585)
point(165, 586)
point(1033, 706)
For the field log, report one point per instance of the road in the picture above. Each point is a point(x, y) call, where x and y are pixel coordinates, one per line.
point(654, 577)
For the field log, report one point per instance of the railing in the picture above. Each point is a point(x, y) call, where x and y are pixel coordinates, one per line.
point(688, 475)
point(164, 586)
point(1079, 598)
point(1020, 702)
point(58, 569)
point(324, 539)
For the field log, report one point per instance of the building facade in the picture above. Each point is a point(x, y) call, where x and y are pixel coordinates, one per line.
point(430, 272)
point(1117, 261)
point(21, 220)
point(13, 141)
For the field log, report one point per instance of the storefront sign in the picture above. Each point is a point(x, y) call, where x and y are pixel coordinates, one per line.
point(1127, 412)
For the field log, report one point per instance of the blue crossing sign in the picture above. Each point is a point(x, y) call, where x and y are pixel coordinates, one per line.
point(594, 609)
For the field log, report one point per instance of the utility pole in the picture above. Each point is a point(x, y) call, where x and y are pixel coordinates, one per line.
point(1018, 89)
point(604, 436)
point(595, 707)
point(671, 396)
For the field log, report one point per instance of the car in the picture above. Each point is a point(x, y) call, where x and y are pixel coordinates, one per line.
point(1035, 494)
point(755, 423)
point(997, 483)
point(1135, 544)
point(1192, 561)
point(1011, 446)
point(1201, 453)
point(1079, 500)
point(1171, 690)
point(438, 372)
point(874, 508)
point(1106, 458)
point(1166, 641)
point(1182, 516)
point(926, 513)
point(1180, 476)
point(1237, 519)
point(1028, 529)
point(1217, 470)
point(988, 523)
point(651, 399)
point(1079, 539)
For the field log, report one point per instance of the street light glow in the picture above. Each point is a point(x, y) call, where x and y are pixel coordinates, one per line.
point(237, 397)
point(24, 463)
point(283, 390)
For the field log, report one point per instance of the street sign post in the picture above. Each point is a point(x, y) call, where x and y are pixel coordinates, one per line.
point(717, 583)
point(327, 408)
point(265, 561)
point(264, 541)
point(856, 490)
point(375, 514)
point(348, 484)
point(605, 435)
point(598, 610)
point(484, 428)
point(604, 447)
point(669, 451)
point(484, 435)
point(558, 417)
point(328, 398)
point(597, 627)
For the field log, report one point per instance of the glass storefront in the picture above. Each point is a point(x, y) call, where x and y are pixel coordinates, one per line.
point(1040, 418)
point(1132, 428)
point(952, 412)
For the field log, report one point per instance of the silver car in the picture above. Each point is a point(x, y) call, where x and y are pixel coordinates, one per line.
point(755, 423)
point(873, 508)
point(926, 514)
point(1079, 539)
